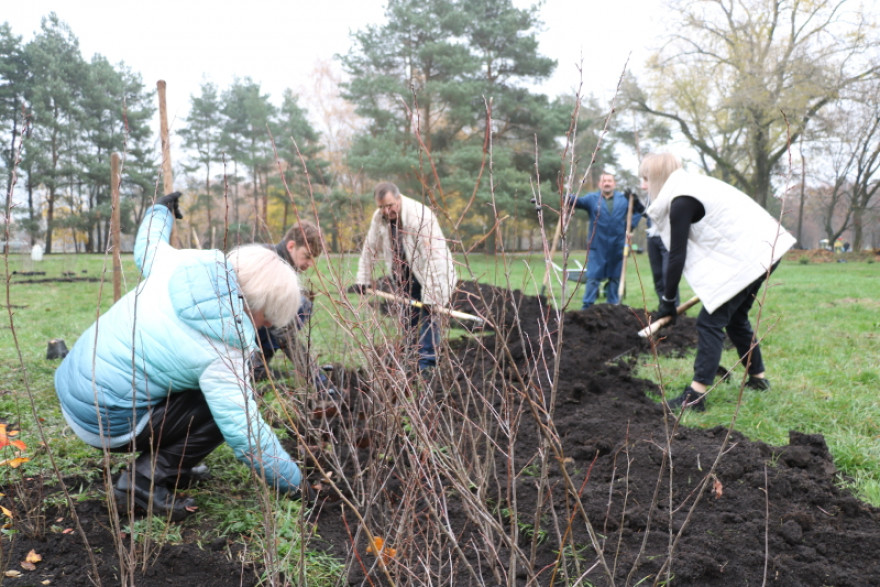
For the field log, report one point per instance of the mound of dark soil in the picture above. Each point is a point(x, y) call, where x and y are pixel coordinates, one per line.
point(766, 515)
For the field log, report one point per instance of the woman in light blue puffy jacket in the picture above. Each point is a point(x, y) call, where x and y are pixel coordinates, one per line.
point(164, 371)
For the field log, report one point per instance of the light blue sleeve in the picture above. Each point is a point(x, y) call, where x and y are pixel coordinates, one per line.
point(153, 234)
point(231, 402)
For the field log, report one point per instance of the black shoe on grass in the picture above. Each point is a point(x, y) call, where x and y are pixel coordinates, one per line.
point(759, 383)
point(689, 398)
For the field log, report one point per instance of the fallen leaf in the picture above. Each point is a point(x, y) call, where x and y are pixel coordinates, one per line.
point(718, 488)
point(12, 573)
point(5, 511)
point(67, 531)
point(385, 553)
point(28, 566)
point(33, 557)
point(4, 438)
point(14, 463)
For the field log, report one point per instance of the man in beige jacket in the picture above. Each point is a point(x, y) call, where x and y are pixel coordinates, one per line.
point(407, 236)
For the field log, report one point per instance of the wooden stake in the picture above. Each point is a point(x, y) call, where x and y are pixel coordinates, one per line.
point(116, 241)
point(167, 177)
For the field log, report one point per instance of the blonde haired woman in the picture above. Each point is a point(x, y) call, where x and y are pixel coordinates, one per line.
point(725, 245)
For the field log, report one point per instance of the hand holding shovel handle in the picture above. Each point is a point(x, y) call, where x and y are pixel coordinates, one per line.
point(661, 322)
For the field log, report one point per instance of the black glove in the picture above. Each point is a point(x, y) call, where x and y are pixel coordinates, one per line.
point(172, 202)
point(666, 308)
point(304, 493)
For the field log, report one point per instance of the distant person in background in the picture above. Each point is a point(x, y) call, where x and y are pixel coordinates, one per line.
point(406, 234)
point(164, 371)
point(725, 245)
point(608, 210)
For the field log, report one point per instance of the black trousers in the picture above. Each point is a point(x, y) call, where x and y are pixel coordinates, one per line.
point(732, 316)
point(181, 432)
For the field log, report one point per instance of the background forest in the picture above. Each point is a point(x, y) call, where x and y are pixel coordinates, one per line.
point(444, 98)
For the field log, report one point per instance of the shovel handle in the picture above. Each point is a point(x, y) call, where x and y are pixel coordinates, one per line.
point(661, 322)
point(438, 309)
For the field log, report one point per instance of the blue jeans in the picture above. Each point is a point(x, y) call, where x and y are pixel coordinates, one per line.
point(612, 293)
point(423, 334)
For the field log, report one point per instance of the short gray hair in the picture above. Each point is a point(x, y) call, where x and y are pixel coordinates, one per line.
point(384, 188)
point(267, 282)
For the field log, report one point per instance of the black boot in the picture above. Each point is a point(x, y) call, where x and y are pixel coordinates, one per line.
point(188, 477)
point(144, 492)
point(689, 398)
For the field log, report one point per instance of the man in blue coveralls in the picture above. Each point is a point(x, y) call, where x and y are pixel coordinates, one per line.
point(607, 236)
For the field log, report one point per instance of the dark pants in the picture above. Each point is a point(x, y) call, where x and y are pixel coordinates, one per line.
point(658, 256)
point(180, 434)
point(732, 316)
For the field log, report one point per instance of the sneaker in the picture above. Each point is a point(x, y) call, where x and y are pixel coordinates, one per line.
point(689, 398)
point(723, 374)
point(759, 383)
point(144, 493)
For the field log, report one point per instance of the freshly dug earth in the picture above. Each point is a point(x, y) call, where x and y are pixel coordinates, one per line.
point(769, 515)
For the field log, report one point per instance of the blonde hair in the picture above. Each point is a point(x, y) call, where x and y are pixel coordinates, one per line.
point(267, 282)
point(656, 168)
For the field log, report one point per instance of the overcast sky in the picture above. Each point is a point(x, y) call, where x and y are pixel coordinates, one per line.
point(278, 43)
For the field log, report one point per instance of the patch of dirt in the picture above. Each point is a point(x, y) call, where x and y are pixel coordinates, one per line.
point(769, 515)
point(826, 256)
point(65, 559)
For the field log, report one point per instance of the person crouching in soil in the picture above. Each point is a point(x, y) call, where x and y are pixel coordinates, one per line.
point(725, 244)
point(163, 372)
